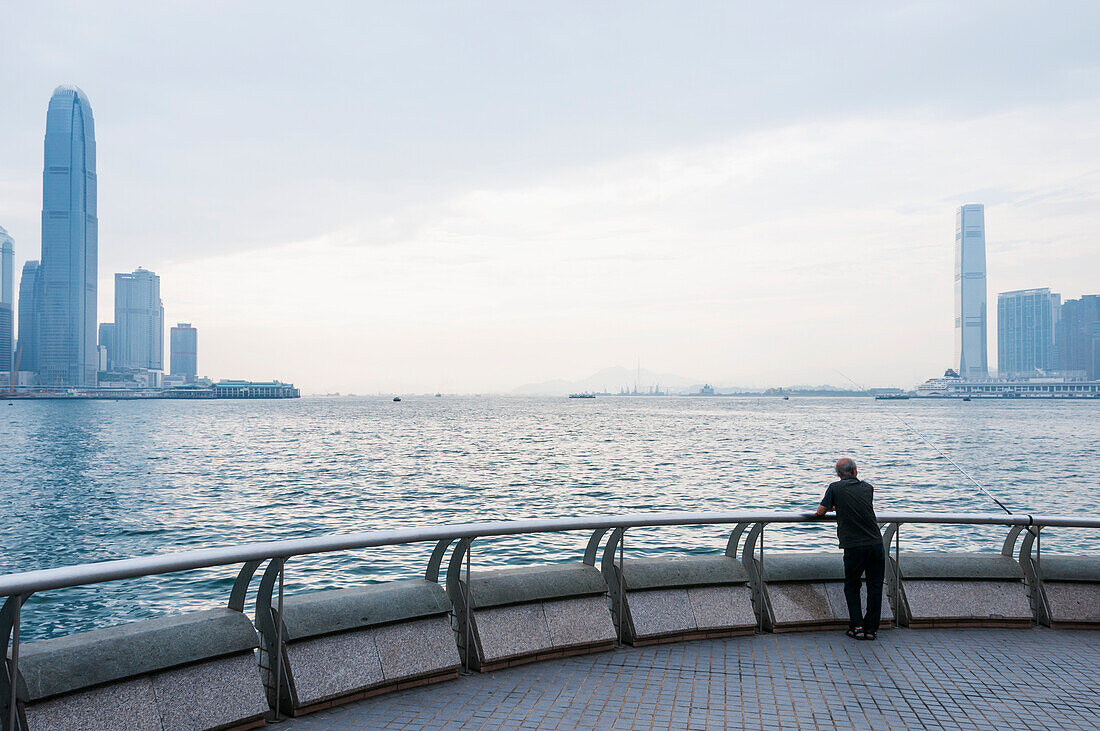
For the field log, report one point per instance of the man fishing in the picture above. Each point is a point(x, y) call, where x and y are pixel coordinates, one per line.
point(858, 533)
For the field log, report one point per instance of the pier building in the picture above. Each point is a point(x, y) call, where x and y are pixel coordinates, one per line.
point(1057, 387)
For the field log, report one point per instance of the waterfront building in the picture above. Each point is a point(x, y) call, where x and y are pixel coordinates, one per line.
point(184, 351)
point(1078, 336)
point(30, 304)
point(229, 388)
point(951, 385)
point(138, 338)
point(971, 350)
point(7, 299)
point(1026, 322)
point(7, 267)
point(107, 344)
point(6, 327)
point(130, 378)
point(70, 243)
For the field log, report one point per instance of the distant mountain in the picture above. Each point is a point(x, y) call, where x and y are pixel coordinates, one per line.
point(609, 380)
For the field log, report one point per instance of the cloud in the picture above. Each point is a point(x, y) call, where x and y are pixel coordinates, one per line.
point(736, 260)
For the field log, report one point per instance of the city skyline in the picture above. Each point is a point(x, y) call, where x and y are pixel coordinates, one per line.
point(399, 258)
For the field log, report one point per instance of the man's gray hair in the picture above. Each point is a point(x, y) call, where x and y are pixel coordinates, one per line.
point(845, 467)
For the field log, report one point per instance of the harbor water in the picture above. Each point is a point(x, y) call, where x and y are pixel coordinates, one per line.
point(85, 481)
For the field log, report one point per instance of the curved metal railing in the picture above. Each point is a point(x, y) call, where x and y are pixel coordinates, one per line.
point(29, 582)
point(17, 587)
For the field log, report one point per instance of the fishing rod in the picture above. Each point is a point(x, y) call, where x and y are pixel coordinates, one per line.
point(943, 454)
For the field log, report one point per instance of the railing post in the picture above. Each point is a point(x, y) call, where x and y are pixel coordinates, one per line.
point(279, 639)
point(897, 573)
point(469, 594)
point(762, 575)
point(13, 711)
point(622, 584)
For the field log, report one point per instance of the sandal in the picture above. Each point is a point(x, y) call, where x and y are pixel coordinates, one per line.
point(854, 633)
point(862, 634)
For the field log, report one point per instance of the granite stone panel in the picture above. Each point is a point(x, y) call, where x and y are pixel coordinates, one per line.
point(947, 600)
point(210, 694)
point(661, 612)
point(329, 667)
point(130, 705)
point(722, 607)
point(512, 631)
point(839, 605)
point(422, 647)
point(582, 621)
point(1073, 602)
point(801, 603)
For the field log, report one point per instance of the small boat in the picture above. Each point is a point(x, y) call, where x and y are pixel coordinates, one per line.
point(396, 399)
point(582, 395)
point(966, 398)
point(786, 398)
point(439, 395)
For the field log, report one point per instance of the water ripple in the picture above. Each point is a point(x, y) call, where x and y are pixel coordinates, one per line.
point(89, 481)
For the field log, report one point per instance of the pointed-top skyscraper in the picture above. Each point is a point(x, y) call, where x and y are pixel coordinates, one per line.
point(971, 353)
point(70, 243)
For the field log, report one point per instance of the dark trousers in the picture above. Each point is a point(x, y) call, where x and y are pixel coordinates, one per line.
point(872, 560)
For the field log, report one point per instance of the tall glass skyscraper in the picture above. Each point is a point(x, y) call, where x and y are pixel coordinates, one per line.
point(1027, 320)
point(7, 268)
point(971, 354)
point(30, 304)
point(7, 299)
point(185, 348)
point(70, 243)
point(138, 337)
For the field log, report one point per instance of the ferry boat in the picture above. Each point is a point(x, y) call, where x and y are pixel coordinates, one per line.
point(582, 395)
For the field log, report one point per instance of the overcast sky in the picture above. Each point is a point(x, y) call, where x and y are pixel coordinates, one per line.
point(469, 196)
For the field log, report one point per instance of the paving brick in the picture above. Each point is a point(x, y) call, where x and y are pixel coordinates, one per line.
point(932, 678)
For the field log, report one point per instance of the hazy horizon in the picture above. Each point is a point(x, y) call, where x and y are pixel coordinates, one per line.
point(432, 197)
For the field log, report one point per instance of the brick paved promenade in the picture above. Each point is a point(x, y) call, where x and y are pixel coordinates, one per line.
point(994, 679)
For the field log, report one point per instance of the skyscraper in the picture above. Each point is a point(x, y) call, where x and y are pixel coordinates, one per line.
point(138, 336)
point(6, 326)
point(1078, 336)
point(30, 304)
point(7, 299)
point(1026, 323)
point(107, 342)
point(7, 267)
point(185, 349)
point(70, 243)
point(971, 358)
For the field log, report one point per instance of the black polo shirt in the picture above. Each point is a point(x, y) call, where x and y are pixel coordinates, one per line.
point(853, 500)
